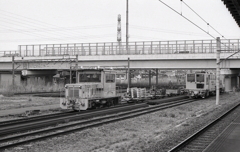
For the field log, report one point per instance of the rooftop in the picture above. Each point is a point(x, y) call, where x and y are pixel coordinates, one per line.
point(234, 8)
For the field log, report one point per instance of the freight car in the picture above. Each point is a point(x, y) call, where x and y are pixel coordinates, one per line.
point(95, 88)
point(202, 84)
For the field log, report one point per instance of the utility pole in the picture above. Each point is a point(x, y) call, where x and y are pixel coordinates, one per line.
point(13, 71)
point(129, 75)
point(77, 68)
point(218, 70)
point(127, 29)
point(70, 71)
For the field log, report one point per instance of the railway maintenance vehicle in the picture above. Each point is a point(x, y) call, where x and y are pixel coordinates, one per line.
point(202, 84)
point(94, 88)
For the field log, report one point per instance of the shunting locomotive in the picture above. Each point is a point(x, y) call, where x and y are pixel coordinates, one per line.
point(202, 84)
point(94, 88)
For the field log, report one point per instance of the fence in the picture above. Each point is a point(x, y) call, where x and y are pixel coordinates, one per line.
point(134, 48)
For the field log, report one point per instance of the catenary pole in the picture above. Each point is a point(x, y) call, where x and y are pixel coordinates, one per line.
point(70, 71)
point(13, 71)
point(77, 69)
point(129, 75)
point(218, 70)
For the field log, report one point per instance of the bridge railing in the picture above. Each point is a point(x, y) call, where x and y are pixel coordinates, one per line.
point(9, 53)
point(134, 48)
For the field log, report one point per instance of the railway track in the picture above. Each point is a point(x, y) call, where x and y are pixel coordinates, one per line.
point(32, 93)
point(32, 124)
point(48, 116)
point(110, 117)
point(201, 139)
point(63, 114)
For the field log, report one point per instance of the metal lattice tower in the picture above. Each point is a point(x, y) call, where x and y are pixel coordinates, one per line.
point(119, 33)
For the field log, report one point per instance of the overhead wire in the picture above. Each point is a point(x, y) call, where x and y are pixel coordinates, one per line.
point(197, 26)
point(57, 39)
point(27, 24)
point(142, 37)
point(16, 21)
point(187, 19)
point(58, 29)
point(202, 18)
point(69, 38)
point(164, 30)
point(32, 23)
point(37, 22)
point(212, 28)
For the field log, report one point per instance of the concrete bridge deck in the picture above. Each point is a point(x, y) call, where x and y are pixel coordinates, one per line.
point(163, 61)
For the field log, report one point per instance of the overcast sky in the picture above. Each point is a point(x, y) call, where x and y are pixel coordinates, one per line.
point(80, 21)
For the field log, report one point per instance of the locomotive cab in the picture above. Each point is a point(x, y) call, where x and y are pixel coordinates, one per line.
point(95, 88)
point(201, 84)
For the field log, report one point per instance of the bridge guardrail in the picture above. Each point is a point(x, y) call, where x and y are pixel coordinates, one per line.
point(9, 53)
point(134, 48)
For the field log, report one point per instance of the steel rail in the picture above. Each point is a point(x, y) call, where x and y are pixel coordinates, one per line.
point(194, 136)
point(32, 118)
point(45, 123)
point(26, 93)
point(108, 119)
point(48, 116)
point(44, 117)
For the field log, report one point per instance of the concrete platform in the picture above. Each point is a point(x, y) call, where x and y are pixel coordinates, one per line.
point(229, 140)
point(23, 110)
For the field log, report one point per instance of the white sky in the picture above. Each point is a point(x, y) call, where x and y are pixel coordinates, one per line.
point(79, 21)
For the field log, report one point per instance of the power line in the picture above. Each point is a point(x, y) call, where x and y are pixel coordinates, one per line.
point(35, 23)
point(196, 26)
point(29, 24)
point(186, 19)
point(165, 31)
point(202, 18)
point(62, 28)
point(205, 22)
point(63, 38)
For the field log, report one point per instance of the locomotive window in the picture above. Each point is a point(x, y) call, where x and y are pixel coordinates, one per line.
point(110, 78)
point(200, 77)
point(89, 77)
point(190, 77)
point(200, 86)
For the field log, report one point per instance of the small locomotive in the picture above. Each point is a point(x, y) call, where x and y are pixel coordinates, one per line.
point(94, 88)
point(201, 84)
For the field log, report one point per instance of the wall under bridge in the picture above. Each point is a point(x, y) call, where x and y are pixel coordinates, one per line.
point(231, 79)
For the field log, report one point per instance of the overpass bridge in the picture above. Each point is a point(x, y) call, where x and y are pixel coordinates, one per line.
point(184, 54)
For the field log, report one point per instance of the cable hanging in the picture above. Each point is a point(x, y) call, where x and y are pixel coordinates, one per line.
point(186, 18)
point(203, 19)
point(212, 28)
point(200, 27)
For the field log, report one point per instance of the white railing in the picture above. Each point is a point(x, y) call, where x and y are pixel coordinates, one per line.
point(134, 48)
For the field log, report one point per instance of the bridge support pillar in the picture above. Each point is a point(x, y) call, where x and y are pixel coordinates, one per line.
point(231, 79)
point(231, 82)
